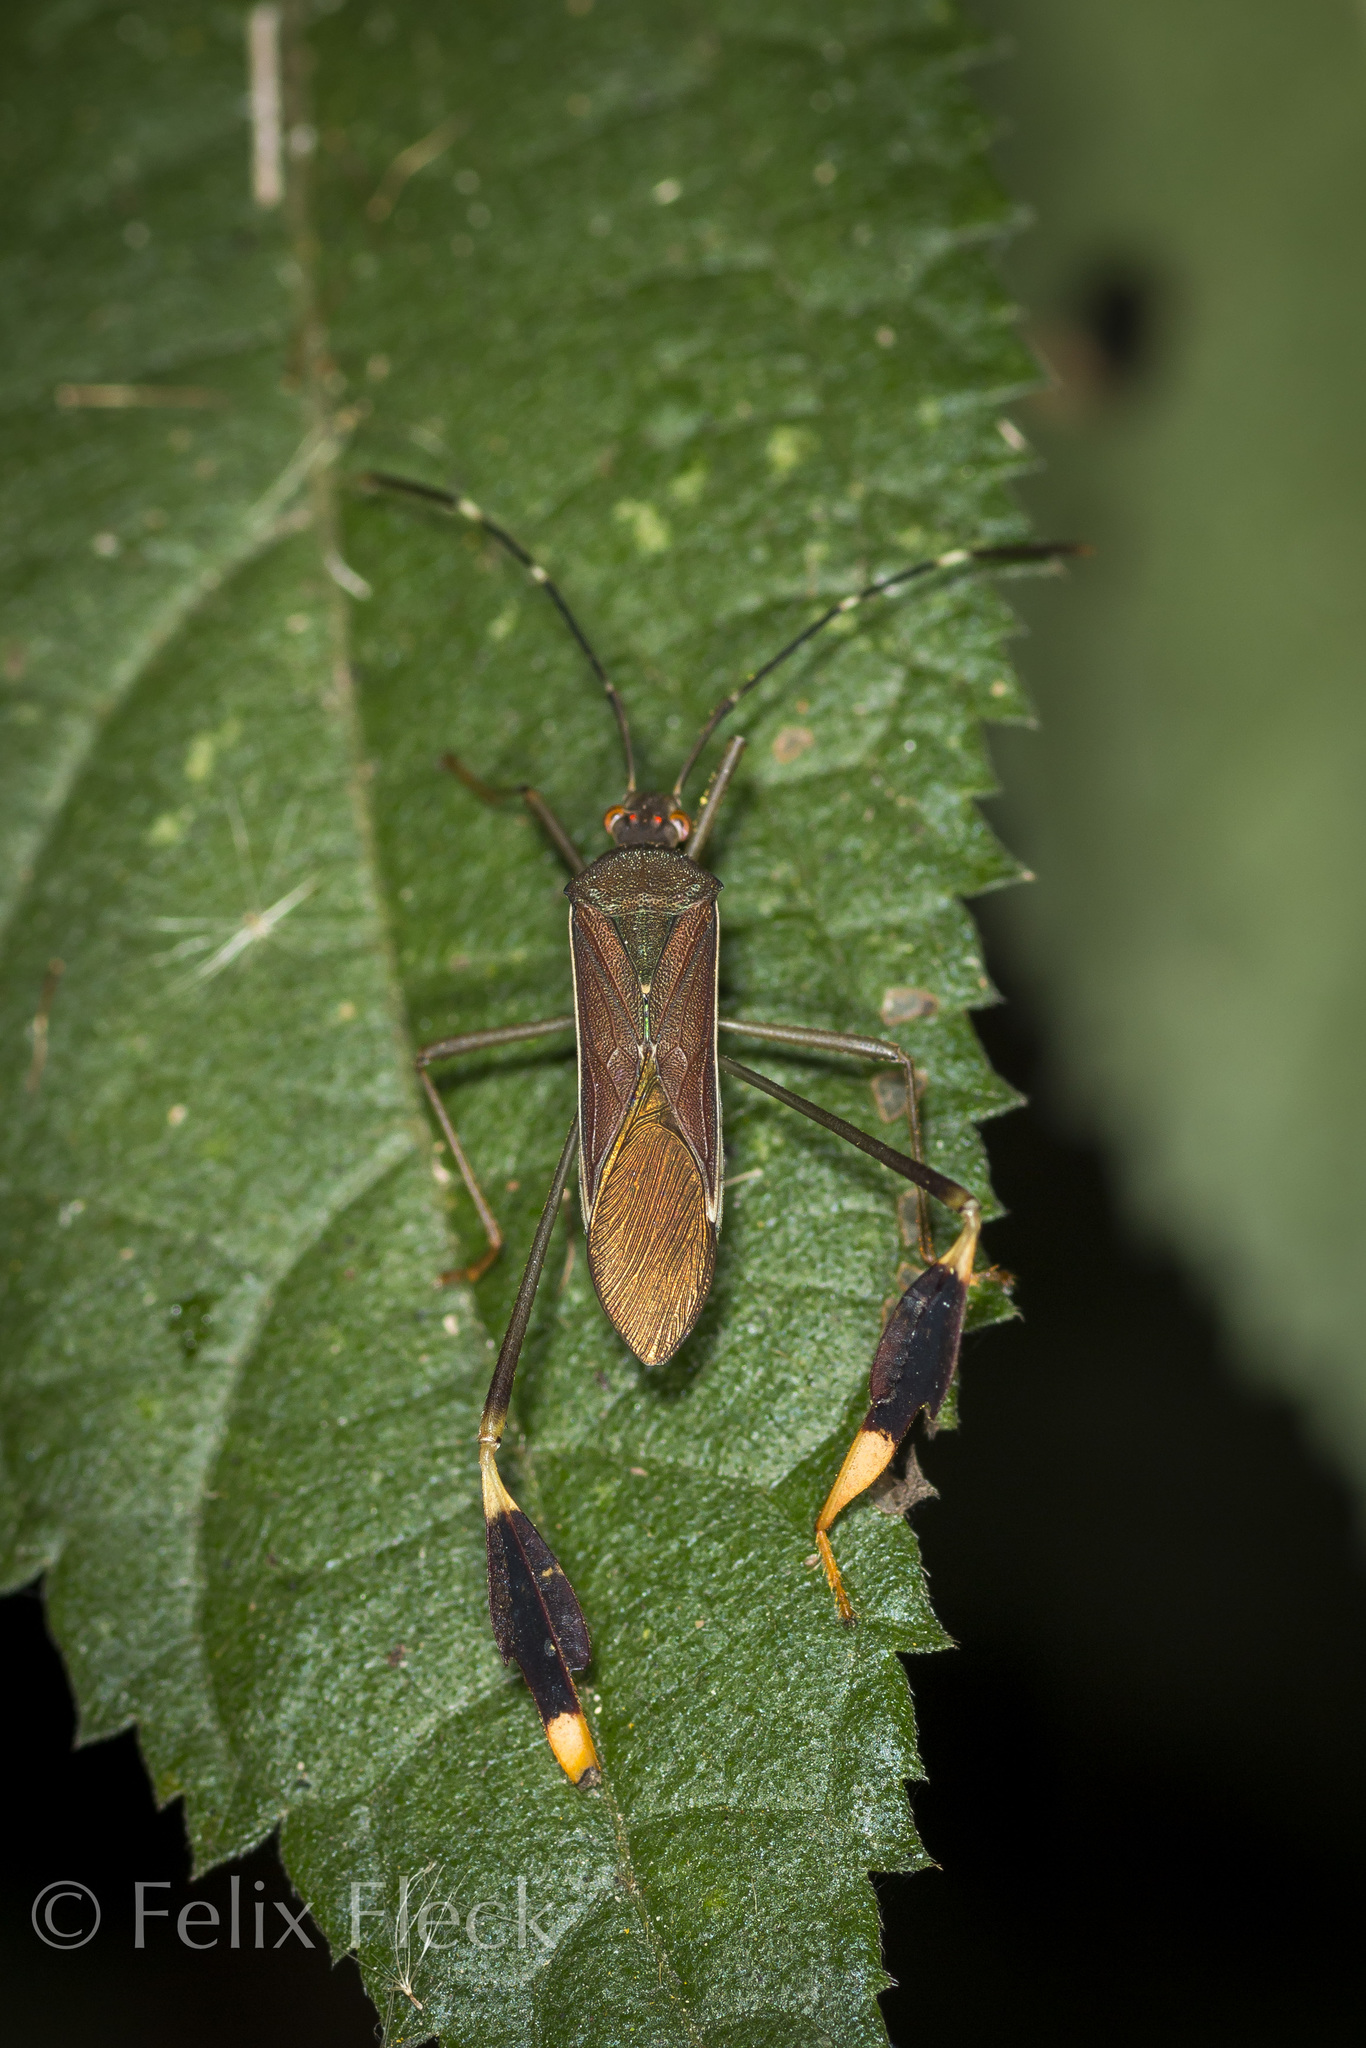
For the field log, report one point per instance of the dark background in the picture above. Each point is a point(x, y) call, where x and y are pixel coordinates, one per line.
point(1146, 1780)
point(1146, 1783)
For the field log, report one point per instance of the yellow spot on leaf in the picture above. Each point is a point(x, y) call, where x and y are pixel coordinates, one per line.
point(688, 487)
point(199, 757)
point(787, 446)
point(169, 828)
point(791, 743)
point(903, 1005)
point(649, 532)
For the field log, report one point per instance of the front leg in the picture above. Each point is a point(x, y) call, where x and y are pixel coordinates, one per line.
point(915, 1361)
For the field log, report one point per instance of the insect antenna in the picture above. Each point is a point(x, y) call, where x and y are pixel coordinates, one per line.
point(956, 558)
point(380, 480)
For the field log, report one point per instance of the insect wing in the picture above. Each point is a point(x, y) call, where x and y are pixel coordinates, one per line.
point(610, 1026)
point(644, 930)
point(683, 998)
point(651, 1244)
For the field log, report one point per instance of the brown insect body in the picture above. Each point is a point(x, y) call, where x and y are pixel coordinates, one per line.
point(644, 930)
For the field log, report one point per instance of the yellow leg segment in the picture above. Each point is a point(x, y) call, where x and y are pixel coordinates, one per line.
point(573, 1750)
point(868, 1456)
point(962, 1253)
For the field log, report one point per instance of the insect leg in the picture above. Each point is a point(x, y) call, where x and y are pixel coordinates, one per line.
point(917, 1355)
point(857, 1048)
point(535, 803)
point(448, 1048)
point(536, 1619)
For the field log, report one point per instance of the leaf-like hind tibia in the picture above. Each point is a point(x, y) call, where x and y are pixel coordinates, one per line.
point(914, 1364)
point(531, 1600)
point(538, 1623)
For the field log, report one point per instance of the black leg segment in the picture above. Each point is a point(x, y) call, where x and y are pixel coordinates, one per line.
point(537, 1622)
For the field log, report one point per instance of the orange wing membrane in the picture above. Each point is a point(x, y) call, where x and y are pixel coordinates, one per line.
point(651, 1244)
point(644, 930)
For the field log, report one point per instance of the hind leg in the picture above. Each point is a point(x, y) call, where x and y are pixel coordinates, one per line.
point(917, 1356)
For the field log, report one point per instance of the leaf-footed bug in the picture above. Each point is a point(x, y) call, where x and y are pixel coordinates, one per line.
point(644, 931)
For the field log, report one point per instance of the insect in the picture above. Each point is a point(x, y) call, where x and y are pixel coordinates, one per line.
point(644, 932)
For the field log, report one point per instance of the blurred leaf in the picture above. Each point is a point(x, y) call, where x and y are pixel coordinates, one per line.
point(699, 301)
point(1193, 805)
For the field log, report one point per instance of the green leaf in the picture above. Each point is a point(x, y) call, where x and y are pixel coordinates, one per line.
point(699, 301)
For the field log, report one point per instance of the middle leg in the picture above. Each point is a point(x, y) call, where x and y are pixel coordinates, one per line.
point(448, 1049)
point(855, 1047)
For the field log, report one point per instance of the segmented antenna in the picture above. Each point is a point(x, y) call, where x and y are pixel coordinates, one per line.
point(956, 558)
point(380, 480)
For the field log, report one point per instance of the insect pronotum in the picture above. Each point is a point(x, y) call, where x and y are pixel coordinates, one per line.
point(643, 934)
